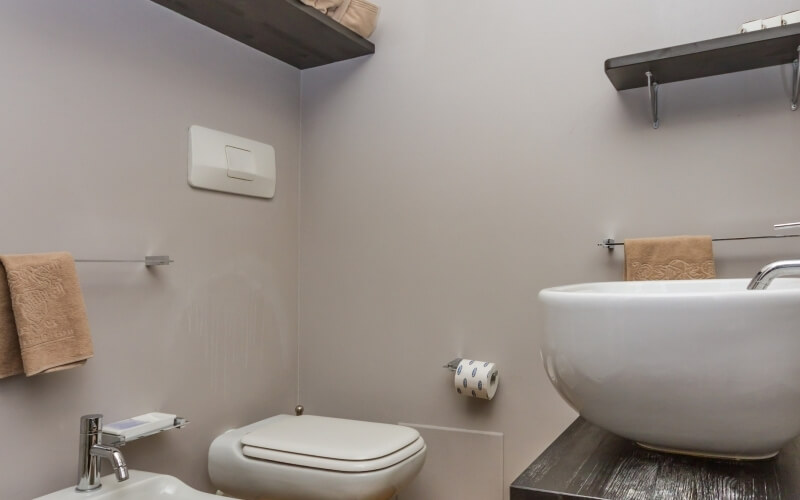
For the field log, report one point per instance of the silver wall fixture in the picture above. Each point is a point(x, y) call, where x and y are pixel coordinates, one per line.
point(453, 365)
point(149, 260)
point(652, 90)
point(796, 93)
point(609, 243)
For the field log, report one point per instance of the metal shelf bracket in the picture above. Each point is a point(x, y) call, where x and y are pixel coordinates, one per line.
point(796, 87)
point(652, 89)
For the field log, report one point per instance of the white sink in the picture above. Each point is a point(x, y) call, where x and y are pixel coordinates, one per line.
point(140, 486)
point(701, 367)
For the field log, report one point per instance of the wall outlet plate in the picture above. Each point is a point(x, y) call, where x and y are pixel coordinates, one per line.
point(225, 162)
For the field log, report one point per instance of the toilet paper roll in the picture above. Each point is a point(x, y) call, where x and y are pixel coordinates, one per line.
point(476, 379)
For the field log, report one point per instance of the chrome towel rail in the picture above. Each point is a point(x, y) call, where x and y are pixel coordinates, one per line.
point(149, 260)
point(609, 243)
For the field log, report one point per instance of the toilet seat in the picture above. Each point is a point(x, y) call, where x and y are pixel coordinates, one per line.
point(332, 443)
point(261, 461)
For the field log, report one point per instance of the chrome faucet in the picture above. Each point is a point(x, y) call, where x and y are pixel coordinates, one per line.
point(778, 269)
point(91, 450)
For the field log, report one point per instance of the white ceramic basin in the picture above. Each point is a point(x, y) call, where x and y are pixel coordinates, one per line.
point(704, 367)
point(140, 486)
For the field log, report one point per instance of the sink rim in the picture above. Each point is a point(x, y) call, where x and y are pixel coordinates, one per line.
point(110, 485)
point(646, 290)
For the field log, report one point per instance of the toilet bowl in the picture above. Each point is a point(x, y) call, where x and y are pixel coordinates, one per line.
point(315, 458)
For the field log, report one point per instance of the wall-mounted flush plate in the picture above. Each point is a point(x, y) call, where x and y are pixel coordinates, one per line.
point(225, 162)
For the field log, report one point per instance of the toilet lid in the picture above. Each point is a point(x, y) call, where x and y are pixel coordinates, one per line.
point(332, 464)
point(332, 443)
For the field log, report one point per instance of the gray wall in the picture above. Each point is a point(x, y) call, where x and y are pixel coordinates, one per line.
point(96, 98)
point(477, 158)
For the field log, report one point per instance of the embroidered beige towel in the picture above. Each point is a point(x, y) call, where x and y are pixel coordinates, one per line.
point(49, 312)
point(670, 258)
point(360, 16)
point(10, 358)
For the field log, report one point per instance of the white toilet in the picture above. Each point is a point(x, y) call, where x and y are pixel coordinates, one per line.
point(315, 458)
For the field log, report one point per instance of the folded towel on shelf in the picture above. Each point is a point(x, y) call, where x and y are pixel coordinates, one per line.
point(323, 5)
point(669, 258)
point(48, 310)
point(360, 16)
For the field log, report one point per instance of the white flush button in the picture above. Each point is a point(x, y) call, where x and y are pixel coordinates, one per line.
point(241, 163)
point(229, 163)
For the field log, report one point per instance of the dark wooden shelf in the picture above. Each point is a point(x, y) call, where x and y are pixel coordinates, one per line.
point(285, 29)
point(729, 54)
point(586, 462)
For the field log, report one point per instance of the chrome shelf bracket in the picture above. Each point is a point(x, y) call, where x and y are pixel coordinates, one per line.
point(652, 89)
point(796, 87)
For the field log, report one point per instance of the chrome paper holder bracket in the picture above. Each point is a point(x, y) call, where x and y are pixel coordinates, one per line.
point(453, 365)
point(652, 90)
point(796, 86)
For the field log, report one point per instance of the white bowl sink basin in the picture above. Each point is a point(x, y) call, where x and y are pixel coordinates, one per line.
point(701, 367)
point(140, 486)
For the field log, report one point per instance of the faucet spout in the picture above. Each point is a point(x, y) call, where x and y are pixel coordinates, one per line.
point(114, 456)
point(778, 269)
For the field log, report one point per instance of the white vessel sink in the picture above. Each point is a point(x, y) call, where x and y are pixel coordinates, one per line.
point(140, 486)
point(701, 367)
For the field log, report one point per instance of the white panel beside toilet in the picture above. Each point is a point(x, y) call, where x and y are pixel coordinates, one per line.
point(461, 463)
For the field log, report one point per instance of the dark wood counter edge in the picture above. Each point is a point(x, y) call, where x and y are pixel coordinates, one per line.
point(586, 462)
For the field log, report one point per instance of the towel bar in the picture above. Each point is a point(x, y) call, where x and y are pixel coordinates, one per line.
point(149, 260)
point(609, 243)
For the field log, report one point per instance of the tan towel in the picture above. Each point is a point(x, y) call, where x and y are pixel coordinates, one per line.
point(10, 357)
point(323, 5)
point(50, 316)
point(670, 258)
point(360, 16)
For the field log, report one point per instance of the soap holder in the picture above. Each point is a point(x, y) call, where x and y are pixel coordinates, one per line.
point(131, 429)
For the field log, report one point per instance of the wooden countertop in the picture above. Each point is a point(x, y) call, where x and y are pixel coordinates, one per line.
point(586, 462)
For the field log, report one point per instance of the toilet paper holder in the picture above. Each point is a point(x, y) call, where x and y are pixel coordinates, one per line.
point(453, 365)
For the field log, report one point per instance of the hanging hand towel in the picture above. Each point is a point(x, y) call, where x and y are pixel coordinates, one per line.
point(670, 258)
point(49, 312)
point(360, 16)
point(10, 358)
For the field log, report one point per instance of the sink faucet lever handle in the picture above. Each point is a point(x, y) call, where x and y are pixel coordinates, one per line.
point(787, 225)
point(91, 424)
